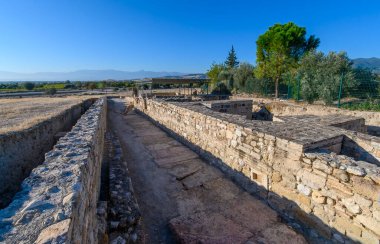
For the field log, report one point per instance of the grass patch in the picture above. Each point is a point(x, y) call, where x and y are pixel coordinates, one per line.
point(373, 105)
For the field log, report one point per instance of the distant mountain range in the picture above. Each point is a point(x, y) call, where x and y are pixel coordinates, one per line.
point(84, 75)
point(369, 63)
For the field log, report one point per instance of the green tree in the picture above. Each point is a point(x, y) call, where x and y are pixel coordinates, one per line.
point(309, 71)
point(29, 85)
point(279, 50)
point(213, 73)
point(231, 61)
point(244, 77)
point(321, 76)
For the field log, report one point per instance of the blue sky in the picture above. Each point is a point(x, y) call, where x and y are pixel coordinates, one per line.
point(168, 35)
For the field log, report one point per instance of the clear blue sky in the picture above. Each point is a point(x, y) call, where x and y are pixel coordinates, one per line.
point(169, 35)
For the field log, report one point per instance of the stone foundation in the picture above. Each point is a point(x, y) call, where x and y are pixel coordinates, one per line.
point(291, 165)
point(57, 203)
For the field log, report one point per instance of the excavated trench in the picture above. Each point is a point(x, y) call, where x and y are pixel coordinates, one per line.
point(183, 198)
point(21, 152)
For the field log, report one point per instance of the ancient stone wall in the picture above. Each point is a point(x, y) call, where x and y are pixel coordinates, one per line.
point(332, 194)
point(57, 203)
point(372, 119)
point(240, 107)
point(22, 151)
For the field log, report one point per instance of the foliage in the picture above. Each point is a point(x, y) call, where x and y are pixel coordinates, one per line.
point(279, 50)
point(368, 86)
point(221, 89)
point(51, 91)
point(244, 77)
point(29, 86)
point(214, 71)
point(369, 105)
point(321, 76)
point(226, 76)
point(231, 61)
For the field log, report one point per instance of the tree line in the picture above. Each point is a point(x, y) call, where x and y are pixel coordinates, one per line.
point(286, 59)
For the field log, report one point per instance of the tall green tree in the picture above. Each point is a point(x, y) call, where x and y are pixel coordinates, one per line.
point(244, 77)
point(321, 76)
point(231, 61)
point(279, 50)
point(213, 73)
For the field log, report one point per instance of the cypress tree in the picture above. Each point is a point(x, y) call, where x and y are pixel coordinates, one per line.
point(231, 61)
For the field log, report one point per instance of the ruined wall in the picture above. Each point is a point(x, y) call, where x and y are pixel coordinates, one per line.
point(332, 194)
point(21, 151)
point(58, 200)
point(240, 107)
point(372, 119)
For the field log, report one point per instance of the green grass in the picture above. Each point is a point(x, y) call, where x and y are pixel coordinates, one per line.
point(363, 106)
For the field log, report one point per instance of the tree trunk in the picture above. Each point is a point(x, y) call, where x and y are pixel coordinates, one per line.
point(276, 87)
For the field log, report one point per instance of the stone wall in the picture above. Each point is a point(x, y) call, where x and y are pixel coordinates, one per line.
point(57, 203)
point(372, 119)
point(22, 151)
point(329, 194)
point(240, 107)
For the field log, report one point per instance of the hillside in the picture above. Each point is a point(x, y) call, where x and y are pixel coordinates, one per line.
point(370, 63)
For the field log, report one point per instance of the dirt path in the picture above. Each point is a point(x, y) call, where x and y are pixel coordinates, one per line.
point(183, 198)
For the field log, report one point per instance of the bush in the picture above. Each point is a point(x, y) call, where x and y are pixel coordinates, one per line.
point(221, 89)
point(51, 91)
point(29, 86)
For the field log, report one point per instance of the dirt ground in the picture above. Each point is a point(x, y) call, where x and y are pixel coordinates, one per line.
point(21, 113)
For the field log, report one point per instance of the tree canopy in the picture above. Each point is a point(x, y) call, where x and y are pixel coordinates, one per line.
point(280, 49)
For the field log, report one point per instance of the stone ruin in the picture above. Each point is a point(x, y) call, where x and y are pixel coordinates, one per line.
point(320, 173)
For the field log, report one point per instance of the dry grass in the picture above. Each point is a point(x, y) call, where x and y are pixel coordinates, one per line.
point(21, 113)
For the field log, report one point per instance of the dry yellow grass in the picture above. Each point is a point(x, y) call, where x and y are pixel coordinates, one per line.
point(21, 113)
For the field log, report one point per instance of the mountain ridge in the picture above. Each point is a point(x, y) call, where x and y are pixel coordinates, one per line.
point(367, 63)
point(85, 75)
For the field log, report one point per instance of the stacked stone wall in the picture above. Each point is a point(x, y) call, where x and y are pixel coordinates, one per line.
point(21, 151)
point(332, 194)
point(57, 203)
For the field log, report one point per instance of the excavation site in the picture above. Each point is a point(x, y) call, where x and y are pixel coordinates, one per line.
point(156, 168)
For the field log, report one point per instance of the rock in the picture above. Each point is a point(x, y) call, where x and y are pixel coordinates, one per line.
point(119, 240)
point(54, 231)
point(304, 189)
point(356, 170)
point(318, 197)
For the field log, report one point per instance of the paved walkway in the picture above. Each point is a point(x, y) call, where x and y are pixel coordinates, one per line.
point(182, 198)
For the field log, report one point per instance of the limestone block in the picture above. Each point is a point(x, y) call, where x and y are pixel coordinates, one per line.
point(318, 197)
point(370, 223)
point(311, 180)
point(370, 238)
point(366, 187)
point(341, 175)
point(304, 189)
point(323, 166)
point(351, 205)
point(53, 232)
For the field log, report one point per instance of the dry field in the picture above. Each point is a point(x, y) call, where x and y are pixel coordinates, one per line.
point(21, 113)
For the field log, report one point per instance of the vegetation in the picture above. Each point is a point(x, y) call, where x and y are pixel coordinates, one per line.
point(280, 49)
point(288, 63)
point(67, 85)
